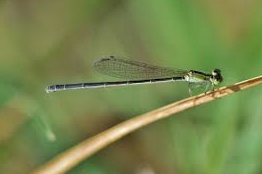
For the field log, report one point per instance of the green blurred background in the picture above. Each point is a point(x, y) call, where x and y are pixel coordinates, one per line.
point(49, 42)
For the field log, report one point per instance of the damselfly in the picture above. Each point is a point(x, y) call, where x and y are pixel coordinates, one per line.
point(138, 73)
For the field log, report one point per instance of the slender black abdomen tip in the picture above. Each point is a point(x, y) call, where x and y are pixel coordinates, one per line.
point(49, 89)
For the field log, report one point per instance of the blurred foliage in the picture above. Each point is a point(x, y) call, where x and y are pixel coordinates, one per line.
point(49, 42)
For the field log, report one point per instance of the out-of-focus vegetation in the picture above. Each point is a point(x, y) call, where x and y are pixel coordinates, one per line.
point(49, 42)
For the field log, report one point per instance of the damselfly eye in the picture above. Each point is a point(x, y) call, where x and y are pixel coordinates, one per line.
point(216, 72)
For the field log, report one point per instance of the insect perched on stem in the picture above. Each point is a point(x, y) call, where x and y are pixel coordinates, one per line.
point(142, 73)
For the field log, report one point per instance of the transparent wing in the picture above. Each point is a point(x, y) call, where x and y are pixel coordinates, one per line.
point(129, 69)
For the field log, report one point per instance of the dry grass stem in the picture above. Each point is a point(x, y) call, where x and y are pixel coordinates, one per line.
point(73, 156)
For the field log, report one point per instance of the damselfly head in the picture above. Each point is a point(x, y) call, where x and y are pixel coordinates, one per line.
point(217, 77)
point(216, 72)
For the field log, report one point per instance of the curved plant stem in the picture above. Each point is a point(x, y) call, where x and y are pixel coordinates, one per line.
point(73, 156)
